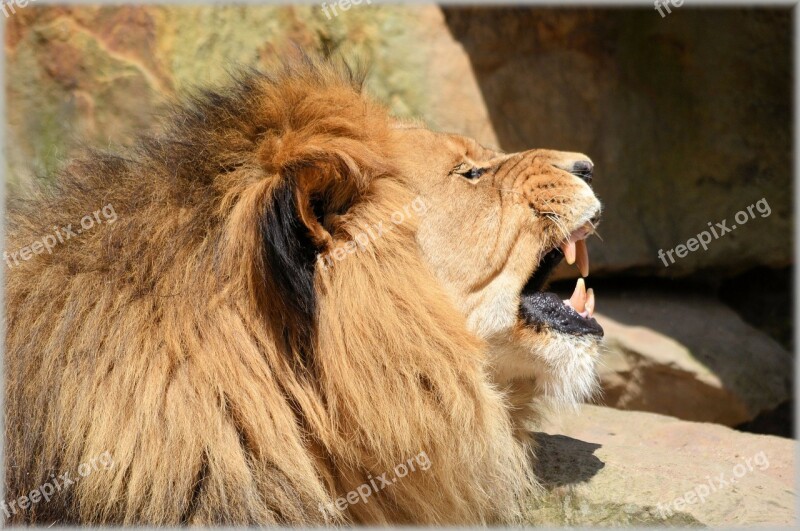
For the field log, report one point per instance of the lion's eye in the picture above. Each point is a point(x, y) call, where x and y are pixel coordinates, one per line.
point(469, 172)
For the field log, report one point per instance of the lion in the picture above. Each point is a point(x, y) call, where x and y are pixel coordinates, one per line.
point(229, 371)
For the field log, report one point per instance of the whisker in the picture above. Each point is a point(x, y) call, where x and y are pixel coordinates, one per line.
point(552, 216)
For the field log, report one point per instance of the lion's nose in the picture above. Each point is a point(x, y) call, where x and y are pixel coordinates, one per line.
point(583, 169)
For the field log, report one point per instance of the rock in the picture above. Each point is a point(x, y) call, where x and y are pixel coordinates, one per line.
point(763, 298)
point(608, 467)
point(687, 119)
point(100, 75)
point(689, 356)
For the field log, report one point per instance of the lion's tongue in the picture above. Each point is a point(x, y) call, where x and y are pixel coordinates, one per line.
point(570, 250)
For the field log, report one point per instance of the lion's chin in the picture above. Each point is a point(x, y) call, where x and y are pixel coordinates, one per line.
point(560, 369)
point(565, 370)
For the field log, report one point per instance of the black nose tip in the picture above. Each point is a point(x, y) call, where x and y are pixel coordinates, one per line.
point(583, 169)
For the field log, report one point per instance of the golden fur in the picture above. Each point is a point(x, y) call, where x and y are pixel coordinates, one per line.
point(232, 377)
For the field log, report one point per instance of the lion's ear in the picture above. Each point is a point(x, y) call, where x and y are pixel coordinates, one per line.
point(322, 194)
point(319, 177)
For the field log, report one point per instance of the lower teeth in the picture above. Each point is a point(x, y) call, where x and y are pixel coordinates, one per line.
point(582, 300)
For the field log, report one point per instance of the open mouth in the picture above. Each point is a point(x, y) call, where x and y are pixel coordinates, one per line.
point(542, 309)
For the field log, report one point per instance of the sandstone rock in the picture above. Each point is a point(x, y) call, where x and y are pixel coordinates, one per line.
point(99, 75)
point(688, 356)
point(687, 118)
point(607, 467)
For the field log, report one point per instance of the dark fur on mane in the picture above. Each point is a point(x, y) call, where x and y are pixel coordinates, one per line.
point(290, 254)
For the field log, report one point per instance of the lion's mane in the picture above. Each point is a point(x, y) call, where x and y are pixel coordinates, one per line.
point(230, 378)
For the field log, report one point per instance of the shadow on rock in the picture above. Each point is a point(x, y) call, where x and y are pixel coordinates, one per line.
point(562, 460)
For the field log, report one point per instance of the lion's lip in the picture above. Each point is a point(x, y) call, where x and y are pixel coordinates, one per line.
point(573, 315)
point(547, 309)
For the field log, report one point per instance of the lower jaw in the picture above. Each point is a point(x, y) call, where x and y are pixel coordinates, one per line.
point(542, 309)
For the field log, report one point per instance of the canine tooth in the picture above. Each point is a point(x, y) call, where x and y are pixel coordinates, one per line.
point(578, 299)
point(582, 257)
point(590, 301)
point(568, 248)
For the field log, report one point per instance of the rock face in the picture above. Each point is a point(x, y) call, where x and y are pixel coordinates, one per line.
point(688, 356)
point(100, 75)
point(687, 118)
point(598, 470)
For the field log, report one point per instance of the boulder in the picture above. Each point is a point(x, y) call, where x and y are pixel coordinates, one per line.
point(607, 467)
point(101, 75)
point(687, 118)
point(689, 356)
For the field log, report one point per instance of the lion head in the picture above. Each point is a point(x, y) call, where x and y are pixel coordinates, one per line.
point(497, 226)
point(299, 296)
